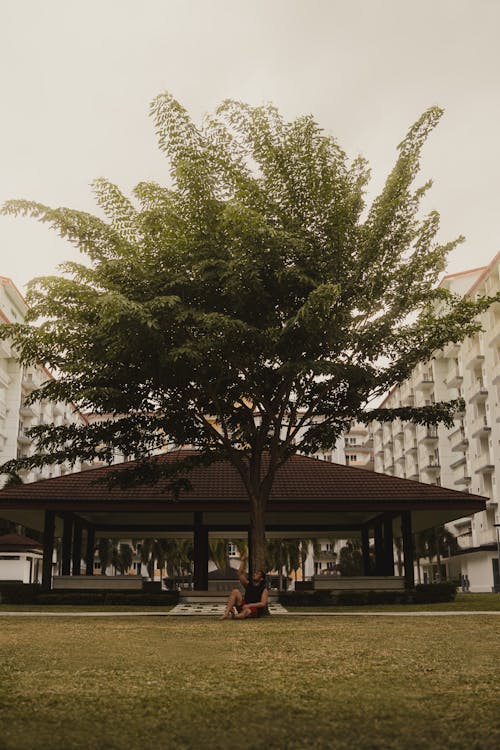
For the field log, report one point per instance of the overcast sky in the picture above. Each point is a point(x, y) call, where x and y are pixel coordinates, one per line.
point(78, 76)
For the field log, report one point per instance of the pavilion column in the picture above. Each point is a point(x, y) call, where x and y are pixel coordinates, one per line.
point(408, 548)
point(365, 547)
point(89, 551)
point(200, 553)
point(379, 549)
point(66, 543)
point(388, 547)
point(77, 546)
point(48, 549)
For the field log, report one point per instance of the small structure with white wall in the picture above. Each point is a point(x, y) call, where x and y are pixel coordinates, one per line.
point(20, 559)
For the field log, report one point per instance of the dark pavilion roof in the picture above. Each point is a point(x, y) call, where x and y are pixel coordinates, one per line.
point(18, 543)
point(301, 483)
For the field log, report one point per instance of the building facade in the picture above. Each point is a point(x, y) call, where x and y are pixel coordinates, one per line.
point(16, 383)
point(467, 456)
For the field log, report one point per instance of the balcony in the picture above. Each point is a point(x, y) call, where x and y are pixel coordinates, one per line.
point(27, 411)
point(415, 477)
point(459, 462)
point(482, 462)
point(28, 381)
point(22, 438)
point(425, 381)
point(480, 427)
point(412, 447)
point(454, 380)
point(433, 466)
point(479, 392)
point(58, 409)
point(473, 357)
point(495, 374)
point(430, 438)
point(486, 536)
point(464, 480)
point(400, 459)
point(458, 440)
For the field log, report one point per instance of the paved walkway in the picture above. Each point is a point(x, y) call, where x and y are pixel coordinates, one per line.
point(282, 612)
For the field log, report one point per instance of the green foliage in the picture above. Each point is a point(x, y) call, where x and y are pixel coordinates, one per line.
point(421, 594)
point(305, 598)
point(13, 592)
point(258, 290)
point(350, 560)
point(427, 593)
point(163, 599)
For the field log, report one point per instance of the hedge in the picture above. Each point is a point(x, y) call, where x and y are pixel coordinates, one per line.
point(422, 594)
point(164, 599)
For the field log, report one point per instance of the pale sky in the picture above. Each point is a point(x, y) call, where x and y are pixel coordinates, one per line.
point(78, 77)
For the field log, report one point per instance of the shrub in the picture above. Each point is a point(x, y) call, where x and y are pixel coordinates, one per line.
point(164, 599)
point(305, 598)
point(13, 592)
point(360, 598)
point(428, 593)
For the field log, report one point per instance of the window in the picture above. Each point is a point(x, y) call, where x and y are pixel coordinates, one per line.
point(351, 458)
point(97, 565)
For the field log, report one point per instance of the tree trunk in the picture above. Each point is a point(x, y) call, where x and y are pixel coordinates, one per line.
point(258, 533)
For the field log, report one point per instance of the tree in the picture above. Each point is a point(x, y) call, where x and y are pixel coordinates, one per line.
point(251, 309)
point(104, 551)
point(437, 542)
point(125, 557)
point(351, 558)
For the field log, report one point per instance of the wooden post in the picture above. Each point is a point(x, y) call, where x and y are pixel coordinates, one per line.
point(365, 546)
point(77, 546)
point(200, 553)
point(388, 547)
point(89, 551)
point(66, 543)
point(379, 549)
point(408, 549)
point(48, 549)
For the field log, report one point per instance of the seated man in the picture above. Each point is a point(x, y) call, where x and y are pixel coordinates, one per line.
point(254, 603)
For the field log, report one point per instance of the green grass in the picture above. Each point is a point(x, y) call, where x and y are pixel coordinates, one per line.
point(368, 684)
point(80, 608)
point(463, 603)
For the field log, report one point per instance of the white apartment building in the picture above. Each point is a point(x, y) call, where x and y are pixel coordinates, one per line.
point(466, 457)
point(16, 383)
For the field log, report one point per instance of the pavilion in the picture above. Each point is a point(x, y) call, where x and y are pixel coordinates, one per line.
point(310, 498)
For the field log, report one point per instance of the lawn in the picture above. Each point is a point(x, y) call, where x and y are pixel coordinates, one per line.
point(343, 683)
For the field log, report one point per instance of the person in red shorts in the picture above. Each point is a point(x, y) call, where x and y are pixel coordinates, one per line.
point(254, 602)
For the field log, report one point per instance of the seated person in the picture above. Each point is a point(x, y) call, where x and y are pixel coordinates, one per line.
point(254, 602)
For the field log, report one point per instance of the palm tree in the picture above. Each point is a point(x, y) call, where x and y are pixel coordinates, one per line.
point(146, 556)
point(104, 553)
point(438, 542)
point(125, 558)
point(219, 553)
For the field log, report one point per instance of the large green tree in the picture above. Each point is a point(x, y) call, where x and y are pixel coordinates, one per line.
point(251, 308)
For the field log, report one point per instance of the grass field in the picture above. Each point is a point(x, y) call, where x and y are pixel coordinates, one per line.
point(344, 683)
point(463, 602)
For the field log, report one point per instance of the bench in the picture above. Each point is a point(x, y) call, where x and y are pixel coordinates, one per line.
point(358, 583)
point(97, 583)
